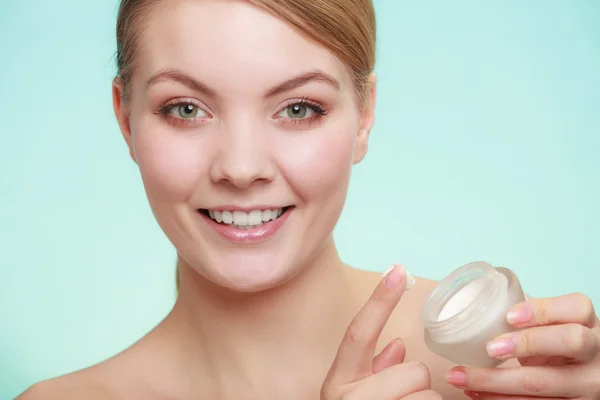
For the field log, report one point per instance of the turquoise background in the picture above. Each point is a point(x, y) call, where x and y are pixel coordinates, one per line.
point(485, 148)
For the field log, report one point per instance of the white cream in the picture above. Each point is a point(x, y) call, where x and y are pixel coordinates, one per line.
point(461, 299)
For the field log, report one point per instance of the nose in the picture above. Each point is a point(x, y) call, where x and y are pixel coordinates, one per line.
point(243, 157)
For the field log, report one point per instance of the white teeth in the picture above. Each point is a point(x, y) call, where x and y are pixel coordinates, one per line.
point(266, 215)
point(242, 220)
point(227, 217)
point(255, 217)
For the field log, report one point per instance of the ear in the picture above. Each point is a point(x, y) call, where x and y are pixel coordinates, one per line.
point(367, 119)
point(122, 114)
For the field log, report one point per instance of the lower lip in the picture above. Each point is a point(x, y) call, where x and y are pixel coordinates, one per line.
point(247, 236)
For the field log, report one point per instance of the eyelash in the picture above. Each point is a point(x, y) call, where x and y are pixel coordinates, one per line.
point(165, 110)
point(319, 110)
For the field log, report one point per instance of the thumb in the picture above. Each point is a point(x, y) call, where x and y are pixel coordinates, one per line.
point(392, 354)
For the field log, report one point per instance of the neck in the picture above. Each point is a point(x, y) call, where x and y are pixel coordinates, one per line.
point(295, 327)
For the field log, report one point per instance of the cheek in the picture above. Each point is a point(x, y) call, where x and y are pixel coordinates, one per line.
point(319, 164)
point(170, 163)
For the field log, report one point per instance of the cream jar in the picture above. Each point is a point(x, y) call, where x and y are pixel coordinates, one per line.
point(467, 310)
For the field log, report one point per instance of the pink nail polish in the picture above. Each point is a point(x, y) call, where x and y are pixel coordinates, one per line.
point(501, 347)
point(457, 378)
point(520, 315)
point(394, 276)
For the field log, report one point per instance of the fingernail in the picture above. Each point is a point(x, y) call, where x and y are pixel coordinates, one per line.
point(410, 280)
point(501, 347)
point(519, 315)
point(394, 275)
point(457, 377)
point(394, 344)
point(472, 394)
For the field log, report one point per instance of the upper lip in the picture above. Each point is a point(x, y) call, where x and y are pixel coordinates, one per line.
point(244, 209)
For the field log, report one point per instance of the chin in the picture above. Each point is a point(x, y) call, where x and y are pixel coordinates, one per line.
point(248, 272)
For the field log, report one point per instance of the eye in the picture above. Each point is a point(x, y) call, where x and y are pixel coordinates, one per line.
point(186, 111)
point(302, 110)
point(297, 111)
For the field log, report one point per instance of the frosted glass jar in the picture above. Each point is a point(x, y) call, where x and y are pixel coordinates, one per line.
point(467, 310)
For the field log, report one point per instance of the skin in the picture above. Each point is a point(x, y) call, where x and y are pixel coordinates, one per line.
point(286, 318)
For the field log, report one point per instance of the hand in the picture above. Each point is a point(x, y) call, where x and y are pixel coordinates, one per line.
point(557, 347)
point(356, 374)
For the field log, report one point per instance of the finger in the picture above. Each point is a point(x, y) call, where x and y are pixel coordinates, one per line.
point(519, 381)
point(423, 395)
point(572, 341)
point(392, 354)
point(355, 354)
point(393, 383)
point(572, 308)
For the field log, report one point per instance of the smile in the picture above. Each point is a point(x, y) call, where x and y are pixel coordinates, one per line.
point(245, 220)
point(246, 226)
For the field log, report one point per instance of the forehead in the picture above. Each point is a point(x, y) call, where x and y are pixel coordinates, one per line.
point(230, 44)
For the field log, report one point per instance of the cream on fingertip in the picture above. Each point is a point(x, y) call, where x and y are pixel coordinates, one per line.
point(410, 280)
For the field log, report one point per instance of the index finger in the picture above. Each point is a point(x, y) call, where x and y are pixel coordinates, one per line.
point(355, 354)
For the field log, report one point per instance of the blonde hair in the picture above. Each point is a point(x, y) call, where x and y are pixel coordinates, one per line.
point(345, 27)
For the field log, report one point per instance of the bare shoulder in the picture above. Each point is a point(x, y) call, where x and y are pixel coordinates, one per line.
point(69, 387)
point(126, 375)
point(102, 381)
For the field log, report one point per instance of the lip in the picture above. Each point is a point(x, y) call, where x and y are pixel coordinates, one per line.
point(247, 236)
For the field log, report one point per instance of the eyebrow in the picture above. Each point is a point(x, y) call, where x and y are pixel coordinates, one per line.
point(286, 86)
point(303, 79)
point(178, 76)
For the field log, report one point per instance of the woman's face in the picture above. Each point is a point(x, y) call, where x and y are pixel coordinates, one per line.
point(245, 133)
